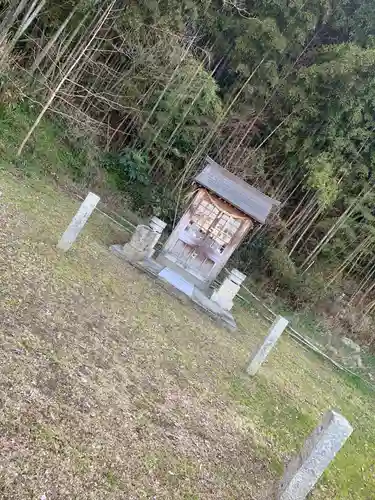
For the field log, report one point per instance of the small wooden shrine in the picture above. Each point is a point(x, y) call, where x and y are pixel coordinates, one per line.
point(223, 210)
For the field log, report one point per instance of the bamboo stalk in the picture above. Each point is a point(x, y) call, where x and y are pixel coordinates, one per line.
point(63, 79)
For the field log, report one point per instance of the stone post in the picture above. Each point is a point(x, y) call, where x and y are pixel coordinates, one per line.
point(228, 290)
point(319, 450)
point(157, 225)
point(260, 356)
point(78, 221)
point(144, 239)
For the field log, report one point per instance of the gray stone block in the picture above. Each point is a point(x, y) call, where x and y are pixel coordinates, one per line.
point(273, 336)
point(143, 241)
point(319, 450)
point(224, 296)
point(78, 221)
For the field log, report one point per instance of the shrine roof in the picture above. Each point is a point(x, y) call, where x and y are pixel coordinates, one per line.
point(236, 191)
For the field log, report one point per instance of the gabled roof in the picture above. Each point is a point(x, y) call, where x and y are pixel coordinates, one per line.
point(235, 191)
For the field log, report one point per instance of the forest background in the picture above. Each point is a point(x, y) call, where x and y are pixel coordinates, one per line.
point(133, 96)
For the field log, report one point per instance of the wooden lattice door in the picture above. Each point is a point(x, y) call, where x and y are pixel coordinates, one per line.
point(206, 236)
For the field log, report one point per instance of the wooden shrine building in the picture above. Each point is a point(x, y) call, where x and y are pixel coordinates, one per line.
point(223, 210)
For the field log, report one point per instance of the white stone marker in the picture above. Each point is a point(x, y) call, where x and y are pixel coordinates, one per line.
point(319, 450)
point(78, 221)
point(274, 333)
point(225, 295)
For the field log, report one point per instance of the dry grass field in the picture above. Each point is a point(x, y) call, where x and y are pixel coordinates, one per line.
point(112, 389)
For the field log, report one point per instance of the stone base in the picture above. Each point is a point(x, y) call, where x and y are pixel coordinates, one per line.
point(176, 286)
point(145, 263)
point(132, 254)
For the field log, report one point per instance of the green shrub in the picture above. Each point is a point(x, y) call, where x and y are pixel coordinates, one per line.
point(130, 170)
point(299, 290)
